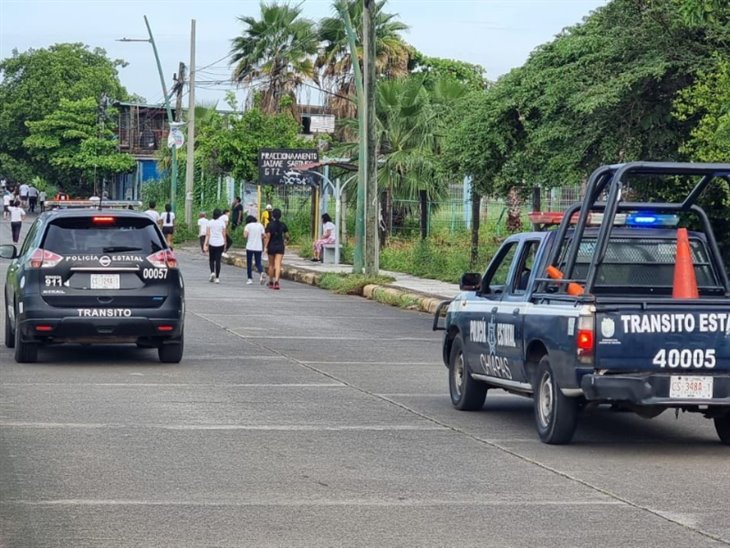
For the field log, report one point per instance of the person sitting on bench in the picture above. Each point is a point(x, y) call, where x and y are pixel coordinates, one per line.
point(329, 236)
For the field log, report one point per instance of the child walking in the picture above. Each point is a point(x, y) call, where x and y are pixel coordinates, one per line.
point(254, 234)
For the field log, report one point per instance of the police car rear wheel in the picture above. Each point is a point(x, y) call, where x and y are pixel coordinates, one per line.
point(9, 335)
point(555, 415)
point(722, 426)
point(466, 393)
point(25, 352)
point(171, 352)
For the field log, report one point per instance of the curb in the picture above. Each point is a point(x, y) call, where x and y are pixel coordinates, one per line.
point(385, 294)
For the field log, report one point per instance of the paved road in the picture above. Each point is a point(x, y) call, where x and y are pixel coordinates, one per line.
point(303, 418)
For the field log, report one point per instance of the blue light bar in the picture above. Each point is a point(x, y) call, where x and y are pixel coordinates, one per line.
point(648, 219)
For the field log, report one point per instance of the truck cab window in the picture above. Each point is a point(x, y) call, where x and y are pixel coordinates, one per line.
point(498, 270)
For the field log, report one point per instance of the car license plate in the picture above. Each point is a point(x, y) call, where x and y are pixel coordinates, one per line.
point(105, 281)
point(690, 387)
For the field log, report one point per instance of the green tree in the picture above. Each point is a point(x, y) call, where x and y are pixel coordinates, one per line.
point(33, 83)
point(76, 145)
point(335, 60)
point(230, 143)
point(277, 50)
point(471, 76)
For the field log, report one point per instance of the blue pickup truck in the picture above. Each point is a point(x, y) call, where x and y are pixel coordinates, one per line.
point(624, 303)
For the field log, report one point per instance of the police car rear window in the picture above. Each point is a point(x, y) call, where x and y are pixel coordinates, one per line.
point(645, 262)
point(84, 235)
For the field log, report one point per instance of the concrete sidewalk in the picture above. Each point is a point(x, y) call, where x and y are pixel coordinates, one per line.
point(425, 294)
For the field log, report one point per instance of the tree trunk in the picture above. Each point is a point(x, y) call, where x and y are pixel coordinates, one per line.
point(384, 214)
point(423, 198)
point(476, 200)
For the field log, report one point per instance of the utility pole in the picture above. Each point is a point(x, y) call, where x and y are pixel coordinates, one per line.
point(371, 170)
point(190, 157)
point(357, 266)
point(178, 90)
point(173, 168)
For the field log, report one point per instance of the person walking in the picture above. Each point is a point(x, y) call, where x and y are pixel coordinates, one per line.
point(254, 234)
point(202, 230)
point(275, 243)
point(168, 224)
point(17, 214)
point(329, 236)
point(229, 240)
point(266, 215)
point(152, 212)
point(215, 241)
point(42, 200)
point(23, 190)
point(7, 202)
point(32, 198)
point(236, 213)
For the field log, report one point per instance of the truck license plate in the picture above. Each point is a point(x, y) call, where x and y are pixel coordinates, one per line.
point(690, 387)
point(105, 281)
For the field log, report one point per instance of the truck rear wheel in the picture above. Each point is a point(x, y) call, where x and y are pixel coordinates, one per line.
point(722, 426)
point(555, 415)
point(466, 393)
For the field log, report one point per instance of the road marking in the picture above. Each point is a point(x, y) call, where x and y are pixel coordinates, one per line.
point(227, 427)
point(308, 502)
point(182, 385)
point(340, 338)
point(364, 363)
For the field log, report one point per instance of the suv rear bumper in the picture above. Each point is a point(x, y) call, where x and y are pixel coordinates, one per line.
point(49, 324)
point(649, 390)
point(77, 329)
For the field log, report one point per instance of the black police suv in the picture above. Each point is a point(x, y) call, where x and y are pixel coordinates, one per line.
point(93, 276)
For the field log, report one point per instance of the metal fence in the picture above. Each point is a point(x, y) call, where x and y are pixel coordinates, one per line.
point(451, 214)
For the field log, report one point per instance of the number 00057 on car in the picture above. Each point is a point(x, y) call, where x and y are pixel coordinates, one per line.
point(690, 387)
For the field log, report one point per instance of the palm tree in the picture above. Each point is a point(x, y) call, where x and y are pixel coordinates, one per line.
point(275, 52)
point(335, 60)
point(410, 120)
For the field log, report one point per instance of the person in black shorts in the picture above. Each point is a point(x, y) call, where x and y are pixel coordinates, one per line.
point(274, 243)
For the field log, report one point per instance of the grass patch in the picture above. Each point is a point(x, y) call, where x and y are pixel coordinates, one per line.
point(442, 256)
point(350, 284)
point(398, 299)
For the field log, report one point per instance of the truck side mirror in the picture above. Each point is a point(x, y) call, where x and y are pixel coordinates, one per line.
point(471, 281)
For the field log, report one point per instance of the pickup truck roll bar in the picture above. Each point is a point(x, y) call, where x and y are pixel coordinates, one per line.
point(611, 179)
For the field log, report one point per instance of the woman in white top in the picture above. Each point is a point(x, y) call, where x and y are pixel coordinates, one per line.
point(215, 241)
point(254, 234)
point(329, 236)
point(168, 224)
point(17, 214)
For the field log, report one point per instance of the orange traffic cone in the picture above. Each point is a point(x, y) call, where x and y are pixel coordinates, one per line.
point(556, 274)
point(685, 283)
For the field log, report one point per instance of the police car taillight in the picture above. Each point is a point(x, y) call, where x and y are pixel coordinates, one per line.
point(585, 339)
point(164, 258)
point(44, 259)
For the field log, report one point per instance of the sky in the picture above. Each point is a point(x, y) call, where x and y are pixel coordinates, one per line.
point(496, 34)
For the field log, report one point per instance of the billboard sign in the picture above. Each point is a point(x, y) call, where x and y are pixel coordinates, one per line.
point(276, 165)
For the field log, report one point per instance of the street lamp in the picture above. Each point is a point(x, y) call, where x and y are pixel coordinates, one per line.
point(168, 108)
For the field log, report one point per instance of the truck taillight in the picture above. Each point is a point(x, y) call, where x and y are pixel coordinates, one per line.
point(164, 258)
point(44, 259)
point(585, 340)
